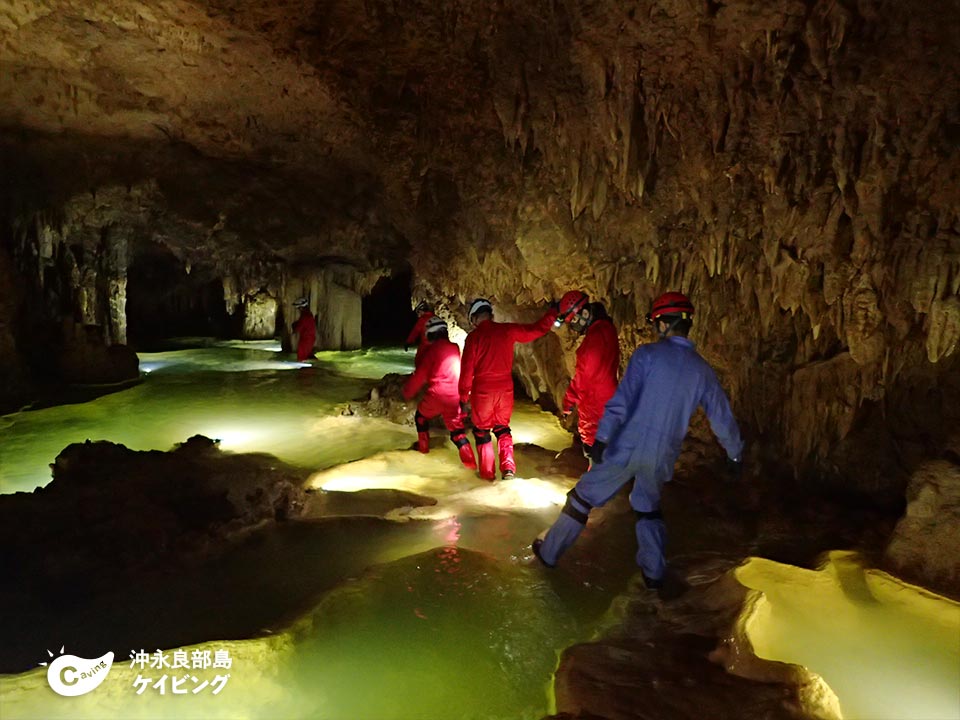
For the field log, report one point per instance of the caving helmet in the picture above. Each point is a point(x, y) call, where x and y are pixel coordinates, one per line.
point(673, 304)
point(435, 326)
point(422, 306)
point(570, 306)
point(672, 308)
point(478, 306)
point(301, 302)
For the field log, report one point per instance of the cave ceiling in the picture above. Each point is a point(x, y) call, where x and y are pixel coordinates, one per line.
point(322, 128)
point(794, 166)
point(304, 129)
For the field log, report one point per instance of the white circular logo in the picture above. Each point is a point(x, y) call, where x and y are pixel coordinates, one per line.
point(70, 675)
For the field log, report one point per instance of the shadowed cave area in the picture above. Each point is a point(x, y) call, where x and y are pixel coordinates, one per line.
point(181, 183)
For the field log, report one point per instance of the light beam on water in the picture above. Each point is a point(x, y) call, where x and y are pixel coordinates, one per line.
point(244, 394)
point(428, 619)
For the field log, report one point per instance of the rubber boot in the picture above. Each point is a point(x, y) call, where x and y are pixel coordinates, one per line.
point(423, 442)
point(505, 446)
point(485, 451)
point(651, 537)
point(561, 535)
point(467, 457)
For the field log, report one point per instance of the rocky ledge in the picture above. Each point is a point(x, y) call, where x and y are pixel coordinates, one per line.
point(121, 512)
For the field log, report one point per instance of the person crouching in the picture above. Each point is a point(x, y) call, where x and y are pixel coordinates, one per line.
point(439, 370)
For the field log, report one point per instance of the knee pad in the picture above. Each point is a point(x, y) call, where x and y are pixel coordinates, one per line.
point(573, 511)
point(422, 423)
point(482, 436)
point(459, 437)
point(501, 430)
point(652, 515)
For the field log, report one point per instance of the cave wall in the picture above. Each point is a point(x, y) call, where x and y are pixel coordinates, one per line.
point(793, 166)
point(15, 386)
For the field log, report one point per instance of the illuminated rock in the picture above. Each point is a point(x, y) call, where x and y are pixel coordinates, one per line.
point(259, 317)
point(683, 659)
point(924, 545)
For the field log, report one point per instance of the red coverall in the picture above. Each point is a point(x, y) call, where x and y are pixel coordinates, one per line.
point(306, 329)
point(419, 335)
point(486, 382)
point(595, 378)
point(439, 370)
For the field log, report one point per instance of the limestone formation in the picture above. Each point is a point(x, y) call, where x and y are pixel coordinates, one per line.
point(259, 317)
point(793, 166)
point(924, 545)
point(124, 513)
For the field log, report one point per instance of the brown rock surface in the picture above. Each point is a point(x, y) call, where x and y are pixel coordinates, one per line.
point(684, 659)
point(793, 167)
point(925, 542)
point(123, 513)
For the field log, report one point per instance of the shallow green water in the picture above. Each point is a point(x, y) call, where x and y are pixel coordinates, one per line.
point(249, 396)
point(441, 617)
point(438, 617)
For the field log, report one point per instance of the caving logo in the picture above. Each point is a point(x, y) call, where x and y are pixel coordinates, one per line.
point(69, 675)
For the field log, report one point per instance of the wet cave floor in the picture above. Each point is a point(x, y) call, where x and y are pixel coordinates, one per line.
point(415, 596)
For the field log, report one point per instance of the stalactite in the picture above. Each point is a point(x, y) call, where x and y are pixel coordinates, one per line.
point(943, 333)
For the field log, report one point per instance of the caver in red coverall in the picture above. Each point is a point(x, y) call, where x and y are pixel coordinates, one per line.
point(486, 382)
point(306, 330)
point(439, 370)
point(419, 335)
point(595, 378)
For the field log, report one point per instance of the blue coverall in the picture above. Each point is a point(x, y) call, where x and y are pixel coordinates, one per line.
point(643, 425)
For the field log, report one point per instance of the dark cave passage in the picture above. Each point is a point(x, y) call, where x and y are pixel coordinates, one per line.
point(164, 300)
point(387, 313)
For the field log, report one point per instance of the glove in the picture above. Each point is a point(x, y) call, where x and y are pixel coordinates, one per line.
point(406, 348)
point(734, 468)
point(596, 452)
point(555, 305)
point(464, 407)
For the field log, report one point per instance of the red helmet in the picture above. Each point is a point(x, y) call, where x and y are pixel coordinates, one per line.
point(571, 304)
point(671, 303)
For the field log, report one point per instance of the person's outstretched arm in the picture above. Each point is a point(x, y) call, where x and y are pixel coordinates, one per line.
point(416, 333)
point(528, 332)
point(724, 425)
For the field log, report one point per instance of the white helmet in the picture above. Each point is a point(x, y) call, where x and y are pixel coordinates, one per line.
point(301, 302)
point(435, 326)
point(480, 305)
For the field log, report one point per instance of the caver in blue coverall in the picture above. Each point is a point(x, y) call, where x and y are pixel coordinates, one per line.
point(643, 426)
